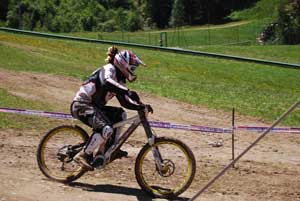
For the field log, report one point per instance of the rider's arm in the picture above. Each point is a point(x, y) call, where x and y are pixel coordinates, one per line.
point(128, 103)
point(106, 78)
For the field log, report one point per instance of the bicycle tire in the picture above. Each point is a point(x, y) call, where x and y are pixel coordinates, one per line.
point(161, 192)
point(42, 150)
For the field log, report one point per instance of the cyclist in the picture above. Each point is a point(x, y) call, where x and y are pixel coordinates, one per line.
point(89, 104)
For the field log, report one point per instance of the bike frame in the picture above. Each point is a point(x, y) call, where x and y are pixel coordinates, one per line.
point(135, 121)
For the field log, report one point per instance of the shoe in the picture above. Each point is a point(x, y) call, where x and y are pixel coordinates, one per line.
point(120, 153)
point(81, 158)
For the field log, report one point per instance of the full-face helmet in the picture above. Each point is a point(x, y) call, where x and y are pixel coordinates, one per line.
point(127, 62)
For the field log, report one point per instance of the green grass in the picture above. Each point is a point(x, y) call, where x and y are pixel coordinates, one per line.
point(231, 33)
point(262, 9)
point(55, 57)
point(256, 90)
point(10, 100)
point(281, 53)
point(27, 122)
point(15, 121)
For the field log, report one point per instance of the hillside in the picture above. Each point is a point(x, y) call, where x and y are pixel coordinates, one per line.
point(262, 9)
point(43, 74)
point(38, 73)
point(213, 83)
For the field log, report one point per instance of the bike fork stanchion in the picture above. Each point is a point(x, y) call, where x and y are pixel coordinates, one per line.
point(295, 105)
point(157, 158)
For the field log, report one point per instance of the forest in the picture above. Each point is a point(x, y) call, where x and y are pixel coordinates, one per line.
point(134, 15)
point(112, 15)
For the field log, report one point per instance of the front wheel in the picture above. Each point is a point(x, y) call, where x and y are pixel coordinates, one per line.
point(179, 167)
point(56, 151)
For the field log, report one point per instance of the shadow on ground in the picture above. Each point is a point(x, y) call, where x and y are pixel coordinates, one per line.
point(108, 188)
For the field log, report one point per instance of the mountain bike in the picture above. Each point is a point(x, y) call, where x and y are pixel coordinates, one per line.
point(165, 167)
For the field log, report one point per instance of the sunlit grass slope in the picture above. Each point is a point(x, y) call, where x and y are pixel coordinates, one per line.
point(257, 90)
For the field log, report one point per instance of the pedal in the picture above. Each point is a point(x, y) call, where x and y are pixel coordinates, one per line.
point(119, 154)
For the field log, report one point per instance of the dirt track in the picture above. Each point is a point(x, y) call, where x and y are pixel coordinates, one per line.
point(268, 172)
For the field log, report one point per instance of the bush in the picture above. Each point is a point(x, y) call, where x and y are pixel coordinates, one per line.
point(107, 26)
point(134, 21)
point(289, 22)
point(2, 24)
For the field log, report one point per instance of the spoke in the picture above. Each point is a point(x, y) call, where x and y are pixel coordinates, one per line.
point(58, 153)
point(169, 178)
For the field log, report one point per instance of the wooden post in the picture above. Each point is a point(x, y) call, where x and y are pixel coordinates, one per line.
point(294, 106)
point(233, 128)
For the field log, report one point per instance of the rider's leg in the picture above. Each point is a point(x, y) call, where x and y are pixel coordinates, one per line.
point(119, 130)
point(96, 142)
point(102, 130)
point(85, 155)
point(120, 153)
point(117, 114)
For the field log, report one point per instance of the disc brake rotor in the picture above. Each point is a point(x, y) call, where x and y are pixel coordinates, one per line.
point(168, 168)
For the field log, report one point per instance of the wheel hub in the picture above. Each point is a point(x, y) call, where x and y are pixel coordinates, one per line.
point(168, 168)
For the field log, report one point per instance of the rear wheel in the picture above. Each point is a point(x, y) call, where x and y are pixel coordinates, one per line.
point(178, 168)
point(56, 151)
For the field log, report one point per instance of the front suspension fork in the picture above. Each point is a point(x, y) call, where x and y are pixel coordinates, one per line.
point(156, 154)
point(151, 140)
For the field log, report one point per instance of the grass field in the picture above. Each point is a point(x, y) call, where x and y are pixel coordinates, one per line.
point(256, 90)
point(244, 27)
point(260, 10)
point(15, 121)
point(240, 32)
point(281, 53)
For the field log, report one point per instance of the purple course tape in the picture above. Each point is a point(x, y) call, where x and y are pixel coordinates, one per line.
point(158, 124)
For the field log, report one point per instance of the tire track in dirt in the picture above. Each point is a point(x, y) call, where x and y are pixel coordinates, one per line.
point(269, 172)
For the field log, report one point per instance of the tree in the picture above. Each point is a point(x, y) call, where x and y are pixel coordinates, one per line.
point(134, 21)
point(3, 9)
point(110, 4)
point(92, 15)
point(12, 19)
point(195, 12)
point(178, 14)
point(158, 12)
point(147, 10)
point(120, 18)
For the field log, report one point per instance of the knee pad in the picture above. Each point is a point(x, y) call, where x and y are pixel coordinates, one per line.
point(107, 131)
point(95, 141)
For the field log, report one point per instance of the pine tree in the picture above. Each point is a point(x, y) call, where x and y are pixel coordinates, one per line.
point(3, 9)
point(157, 13)
point(178, 14)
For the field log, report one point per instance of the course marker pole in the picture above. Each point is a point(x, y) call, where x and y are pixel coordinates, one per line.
point(233, 123)
point(295, 105)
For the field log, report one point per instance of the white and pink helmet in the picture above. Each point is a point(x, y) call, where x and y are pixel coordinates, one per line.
point(127, 62)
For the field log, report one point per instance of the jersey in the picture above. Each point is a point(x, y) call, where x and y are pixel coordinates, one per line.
point(104, 84)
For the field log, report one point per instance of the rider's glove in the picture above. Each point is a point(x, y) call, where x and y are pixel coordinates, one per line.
point(149, 108)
